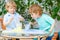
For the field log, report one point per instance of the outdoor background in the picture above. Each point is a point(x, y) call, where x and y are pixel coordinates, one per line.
point(51, 7)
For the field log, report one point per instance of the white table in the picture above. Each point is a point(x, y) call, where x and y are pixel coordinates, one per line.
point(21, 38)
point(31, 37)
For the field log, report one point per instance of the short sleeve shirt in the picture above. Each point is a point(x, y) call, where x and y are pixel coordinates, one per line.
point(45, 22)
point(16, 19)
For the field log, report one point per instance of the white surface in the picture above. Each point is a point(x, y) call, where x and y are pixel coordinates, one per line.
point(32, 31)
point(26, 32)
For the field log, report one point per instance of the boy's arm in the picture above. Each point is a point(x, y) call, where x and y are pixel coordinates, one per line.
point(53, 25)
point(51, 21)
point(8, 22)
point(33, 23)
point(22, 19)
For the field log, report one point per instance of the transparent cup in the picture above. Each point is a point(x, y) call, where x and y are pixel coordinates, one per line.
point(27, 25)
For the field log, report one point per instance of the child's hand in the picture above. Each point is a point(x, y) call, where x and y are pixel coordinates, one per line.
point(22, 19)
point(12, 17)
point(9, 21)
point(33, 23)
point(50, 31)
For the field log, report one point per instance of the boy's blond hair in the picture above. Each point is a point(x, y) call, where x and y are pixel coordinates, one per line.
point(35, 8)
point(10, 4)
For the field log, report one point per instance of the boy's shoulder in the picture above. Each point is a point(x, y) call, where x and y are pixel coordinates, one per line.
point(7, 14)
point(48, 17)
point(16, 13)
point(45, 15)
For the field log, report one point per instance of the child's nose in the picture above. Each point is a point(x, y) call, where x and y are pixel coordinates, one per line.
point(13, 9)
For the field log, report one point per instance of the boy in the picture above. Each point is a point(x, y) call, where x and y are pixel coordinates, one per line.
point(11, 18)
point(44, 21)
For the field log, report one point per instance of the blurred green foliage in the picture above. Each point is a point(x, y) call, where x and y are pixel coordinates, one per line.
point(51, 6)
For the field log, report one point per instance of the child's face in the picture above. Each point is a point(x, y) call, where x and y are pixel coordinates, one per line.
point(11, 9)
point(34, 15)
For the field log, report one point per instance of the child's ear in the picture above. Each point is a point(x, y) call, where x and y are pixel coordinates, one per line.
point(39, 12)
